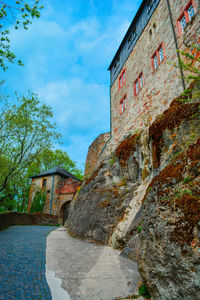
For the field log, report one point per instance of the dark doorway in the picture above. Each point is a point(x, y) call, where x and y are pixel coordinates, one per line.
point(64, 211)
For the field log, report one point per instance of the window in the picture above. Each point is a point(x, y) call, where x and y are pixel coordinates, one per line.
point(191, 12)
point(161, 53)
point(155, 60)
point(141, 81)
point(117, 64)
point(123, 105)
point(138, 84)
point(132, 37)
point(137, 87)
point(150, 5)
point(183, 23)
point(186, 16)
point(44, 183)
point(158, 56)
point(150, 35)
point(122, 79)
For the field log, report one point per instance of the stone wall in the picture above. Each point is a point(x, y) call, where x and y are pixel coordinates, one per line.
point(36, 185)
point(14, 218)
point(64, 190)
point(155, 96)
point(94, 151)
point(144, 199)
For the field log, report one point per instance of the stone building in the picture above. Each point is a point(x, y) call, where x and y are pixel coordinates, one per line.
point(60, 187)
point(143, 78)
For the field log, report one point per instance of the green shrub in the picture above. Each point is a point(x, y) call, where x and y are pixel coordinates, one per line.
point(38, 202)
point(143, 291)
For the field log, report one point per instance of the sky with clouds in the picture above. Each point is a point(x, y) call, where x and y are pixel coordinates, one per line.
point(66, 54)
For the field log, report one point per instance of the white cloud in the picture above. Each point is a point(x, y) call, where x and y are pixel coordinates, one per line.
point(66, 54)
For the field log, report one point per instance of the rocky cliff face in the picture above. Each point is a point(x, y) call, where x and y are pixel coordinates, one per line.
point(144, 199)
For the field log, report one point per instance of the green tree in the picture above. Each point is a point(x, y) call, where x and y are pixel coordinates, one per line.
point(27, 136)
point(50, 158)
point(26, 129)
point(19, 14)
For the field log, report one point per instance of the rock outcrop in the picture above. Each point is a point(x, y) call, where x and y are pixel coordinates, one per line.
point(168, 244)
point(94, 151)
point(144, 199)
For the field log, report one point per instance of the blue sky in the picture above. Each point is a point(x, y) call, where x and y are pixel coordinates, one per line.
point(66, 54)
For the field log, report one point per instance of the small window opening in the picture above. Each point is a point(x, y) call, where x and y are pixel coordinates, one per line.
point(150, 34)
point(123, 104)
point(44, 183)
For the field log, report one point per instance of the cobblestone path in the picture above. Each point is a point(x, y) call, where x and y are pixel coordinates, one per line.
point(22, 263)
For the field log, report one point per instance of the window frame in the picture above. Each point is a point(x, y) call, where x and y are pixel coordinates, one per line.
point(190, 17)
point(185, 15)
point(150, 5)
point(132, 37)
point(183, 24)
point(123, 104)
point(44, 183)
point(122, 79)
point(116, 64)
point(138, 84)
point(155, 61)
point(157, 56)
point(159, 51)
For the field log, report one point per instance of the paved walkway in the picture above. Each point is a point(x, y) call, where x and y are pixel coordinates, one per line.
point(22, 263)
point(75, 270)
point(87, 271)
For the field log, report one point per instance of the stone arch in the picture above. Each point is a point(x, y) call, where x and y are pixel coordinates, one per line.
point(64, 210)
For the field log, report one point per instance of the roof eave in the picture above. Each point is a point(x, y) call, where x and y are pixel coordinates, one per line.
point(128, 32)
point(56, 173)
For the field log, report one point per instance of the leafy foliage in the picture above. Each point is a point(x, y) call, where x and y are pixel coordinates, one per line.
point(143, 291)
point(38, 202)
point(50, 158)
point(190, 62)
point(27, 136)
point(26, 129)
point(19, 14)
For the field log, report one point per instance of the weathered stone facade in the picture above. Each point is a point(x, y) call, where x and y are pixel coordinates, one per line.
point(161, 85)
point(60, 189)
point(143, 195)
point(94, 151)
point(144, 199)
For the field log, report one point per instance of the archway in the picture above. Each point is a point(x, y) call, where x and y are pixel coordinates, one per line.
point(64, 211)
